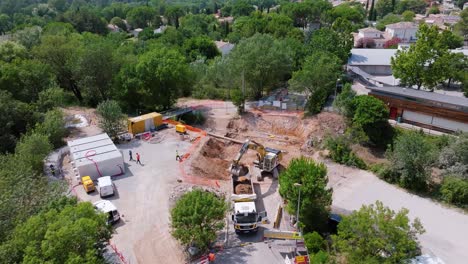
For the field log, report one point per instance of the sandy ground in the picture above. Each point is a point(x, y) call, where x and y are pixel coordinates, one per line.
point(143, 200)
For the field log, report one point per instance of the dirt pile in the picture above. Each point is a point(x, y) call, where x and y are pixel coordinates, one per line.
point(243, 187)
point(214, 159)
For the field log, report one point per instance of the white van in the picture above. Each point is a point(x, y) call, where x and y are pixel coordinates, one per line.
point(108, 208)
point(105, 186)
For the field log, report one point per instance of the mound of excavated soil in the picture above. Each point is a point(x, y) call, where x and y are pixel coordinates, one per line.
point(213, 148)
point(212, 161)
point(243, 188)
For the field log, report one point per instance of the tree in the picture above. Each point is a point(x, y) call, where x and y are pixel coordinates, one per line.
point(383, 7)
point(434, 10)
point(335, 42)
point(372, 12)
point(173, 13)
point(317, 78)
point(29, 36)
point(34, 147)
point(316, 197)
point(261, 61)
point(53, 126)
point(305, 12)
point(15, 117)
point(417, 6)
point(450, 40)
point(371, 115)
point(143, 16)
point(461, 28)
point(386, 20)
point(10, 51)
point(161, 76)
point(201, 24)
point(62, 52)
point(52, 97)
point(344, 101)
point(408, 16)
point(85, 19)
point(196, 217)
point(377, 234)
point(411, 159)
point(454, 190)
point(457, 67)
point(111, 118)
point(117, 21)
point(74, 233)
point(5, 23)
point(392, 43)
point(422, 63)
point(453, 158)
point(200, 46)
point(241, 8)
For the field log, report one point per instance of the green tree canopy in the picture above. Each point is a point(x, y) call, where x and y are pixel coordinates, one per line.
point(85, 19)
point(262, 61)
point(384, 7)
point(377, 234)
point(371, 115)
point(317, 78)
point(316, 197)
point(74, 233)
point(417, 6)
point(143, 16)
point(196, 217)
point(111, 117)
point(411, 158)
point(335, 42)
point(200, 46)
point(162, 75)
point(53, 126)
point(423, 63)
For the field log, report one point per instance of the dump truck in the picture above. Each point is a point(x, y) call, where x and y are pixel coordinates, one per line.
point(246, 218)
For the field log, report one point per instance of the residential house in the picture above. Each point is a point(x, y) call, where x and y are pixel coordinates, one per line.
point(224, 47)
point(440, 20)
point(405, 31)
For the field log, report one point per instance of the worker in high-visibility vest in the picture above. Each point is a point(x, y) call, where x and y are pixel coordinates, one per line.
point(211, 257)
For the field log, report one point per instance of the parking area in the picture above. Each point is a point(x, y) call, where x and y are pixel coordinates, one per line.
point(143, 199)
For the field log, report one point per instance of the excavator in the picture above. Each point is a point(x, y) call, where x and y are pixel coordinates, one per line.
point(268, 159)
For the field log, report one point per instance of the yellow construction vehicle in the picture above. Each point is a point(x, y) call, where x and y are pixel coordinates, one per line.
point(88, 184)
point(268, 159)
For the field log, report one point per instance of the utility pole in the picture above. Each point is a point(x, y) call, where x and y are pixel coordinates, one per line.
point(243, 92)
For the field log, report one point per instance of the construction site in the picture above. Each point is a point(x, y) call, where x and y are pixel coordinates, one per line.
point(237, 156)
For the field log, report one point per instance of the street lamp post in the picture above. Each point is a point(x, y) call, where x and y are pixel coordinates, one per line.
point(336, 85)
point(298, 203)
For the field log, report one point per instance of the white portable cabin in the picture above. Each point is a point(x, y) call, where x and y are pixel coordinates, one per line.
point(96, 156)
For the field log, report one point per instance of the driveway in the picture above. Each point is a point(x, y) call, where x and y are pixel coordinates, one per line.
point(446, 228)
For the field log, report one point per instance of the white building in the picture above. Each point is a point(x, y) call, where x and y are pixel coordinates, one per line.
point(96, 156)
point(406, 31)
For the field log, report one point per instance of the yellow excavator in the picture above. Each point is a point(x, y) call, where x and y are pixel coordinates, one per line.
point(268, 159)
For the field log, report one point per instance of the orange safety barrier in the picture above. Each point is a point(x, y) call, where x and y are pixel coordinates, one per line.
point(187, 177)
point(118, 253)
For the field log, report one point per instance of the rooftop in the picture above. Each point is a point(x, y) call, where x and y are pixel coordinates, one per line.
point(361, 57)
point(402, 25)
point(224, 47)
point(369, 29)
point(431, 96)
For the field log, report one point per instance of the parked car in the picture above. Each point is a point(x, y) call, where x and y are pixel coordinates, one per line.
point(105, 186)
point(108, 208)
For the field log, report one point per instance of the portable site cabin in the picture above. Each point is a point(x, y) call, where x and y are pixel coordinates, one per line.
point(96, 156)
point(144, 123)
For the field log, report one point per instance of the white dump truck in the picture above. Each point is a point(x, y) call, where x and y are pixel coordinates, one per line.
point(245, 216)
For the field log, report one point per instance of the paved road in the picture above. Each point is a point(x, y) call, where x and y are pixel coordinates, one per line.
point(446, 229)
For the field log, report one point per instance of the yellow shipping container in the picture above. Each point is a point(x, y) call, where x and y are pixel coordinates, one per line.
point(144, 123)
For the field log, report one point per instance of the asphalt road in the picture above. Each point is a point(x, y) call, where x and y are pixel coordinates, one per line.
point(446, 228)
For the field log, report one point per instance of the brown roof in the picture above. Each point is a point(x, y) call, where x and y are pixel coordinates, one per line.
point(369, 29)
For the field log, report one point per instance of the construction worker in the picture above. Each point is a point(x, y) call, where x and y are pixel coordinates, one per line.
point(211, 257)
point(130, 154)
point(52, 169)
point(177, 157)
point(138, 158)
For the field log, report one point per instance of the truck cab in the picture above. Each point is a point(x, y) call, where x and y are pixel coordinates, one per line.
point(245, 217)
point(88, 184)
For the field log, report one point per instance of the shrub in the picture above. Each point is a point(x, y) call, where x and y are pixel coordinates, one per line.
point(455, 190)
point(314, 242)
point(384, 172)
point(341, 152)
